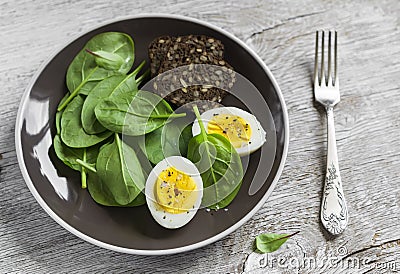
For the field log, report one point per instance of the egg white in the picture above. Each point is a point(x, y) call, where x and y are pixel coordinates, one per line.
point(258, 134)
point(166, 219)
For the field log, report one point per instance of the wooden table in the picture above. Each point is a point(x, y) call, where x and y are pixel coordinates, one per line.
point(282, 33)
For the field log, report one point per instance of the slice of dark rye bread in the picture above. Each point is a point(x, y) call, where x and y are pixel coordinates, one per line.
point(195, 44)
point(157, 50)
point(192, 48)
point(191, 82)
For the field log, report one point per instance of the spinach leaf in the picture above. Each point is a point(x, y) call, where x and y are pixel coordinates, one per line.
point(59, 114)
point(134, 113)
point(107, 60)
point(86, 165)
point(102, 195)
point(83, 170)
point(138, 201)
point(110, 86)
point(72, 132)
point(72, 156)
point(219, 164)
point(58, 121)
point(120, 171)
point(138, 145)
point(170, 140)
point(184, 140)
point(270, 242)
point(69, 155)
point(84, 72)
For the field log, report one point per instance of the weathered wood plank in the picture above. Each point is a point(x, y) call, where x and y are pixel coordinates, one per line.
point(282, 33)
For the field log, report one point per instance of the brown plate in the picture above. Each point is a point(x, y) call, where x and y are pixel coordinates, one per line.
point(133, 230)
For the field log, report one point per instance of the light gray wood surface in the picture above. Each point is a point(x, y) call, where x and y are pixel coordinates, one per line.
point(282, 33)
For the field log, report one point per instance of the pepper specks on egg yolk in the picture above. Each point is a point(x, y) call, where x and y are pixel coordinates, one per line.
point(236, 129)
point(175, 191)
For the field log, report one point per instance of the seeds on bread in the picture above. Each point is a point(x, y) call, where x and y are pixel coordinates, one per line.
point(192, 81)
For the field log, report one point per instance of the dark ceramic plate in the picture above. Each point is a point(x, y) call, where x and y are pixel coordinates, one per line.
point(133, 230)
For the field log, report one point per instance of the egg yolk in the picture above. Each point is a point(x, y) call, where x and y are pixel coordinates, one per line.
point(236, 129)
point(175, 191)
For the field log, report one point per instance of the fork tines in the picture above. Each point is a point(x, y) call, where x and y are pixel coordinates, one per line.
point(319, 73)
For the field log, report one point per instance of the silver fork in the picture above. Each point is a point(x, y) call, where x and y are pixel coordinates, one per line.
point(334, 215)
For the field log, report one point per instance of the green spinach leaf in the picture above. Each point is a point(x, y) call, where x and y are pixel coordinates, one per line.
point(134, 113)
point(138, 145)
point(72, 132)
point(219, 164)
point(184, 140)
point(110, 86)
point(86, 165)
point(59, 114)
point(120, 171)
point(107, 60)
point(270, 242)
point(84, 72)
point(69, 155)
point(102, 195)
point(72, 156)
point(170, 140)
point(58, 121)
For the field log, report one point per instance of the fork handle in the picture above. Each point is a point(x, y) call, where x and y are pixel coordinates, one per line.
point(334, 215)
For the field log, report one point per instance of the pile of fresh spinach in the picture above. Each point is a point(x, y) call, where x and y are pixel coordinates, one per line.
point(104, 101)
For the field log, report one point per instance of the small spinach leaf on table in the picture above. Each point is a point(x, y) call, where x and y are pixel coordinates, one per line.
point(134, 113)
point(84, 72)
point(110, 86)
point(219, 164)
point(120, 171)
point(270, 242)
point(72, 132)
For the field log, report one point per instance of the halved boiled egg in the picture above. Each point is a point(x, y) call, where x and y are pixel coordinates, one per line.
point(241, 128)
point(174, 190)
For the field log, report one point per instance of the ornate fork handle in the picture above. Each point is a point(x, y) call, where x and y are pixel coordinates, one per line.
point(334, 214)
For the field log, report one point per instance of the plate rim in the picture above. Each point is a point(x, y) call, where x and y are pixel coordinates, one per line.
point(87, 238)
